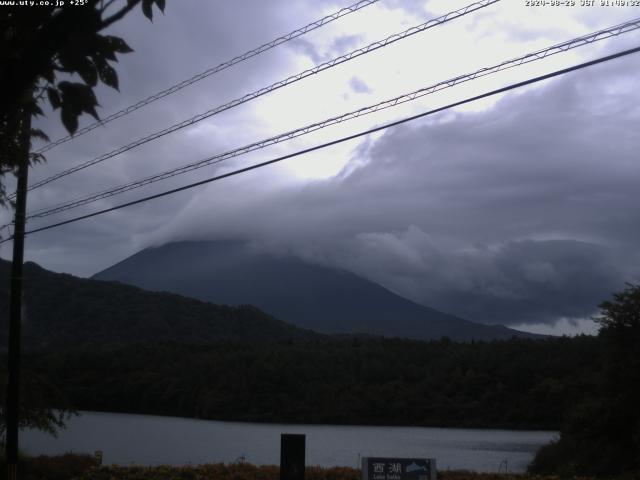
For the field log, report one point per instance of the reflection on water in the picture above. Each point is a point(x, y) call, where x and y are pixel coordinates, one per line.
point(151, 440)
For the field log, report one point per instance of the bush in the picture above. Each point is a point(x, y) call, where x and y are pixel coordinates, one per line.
point(63, 467)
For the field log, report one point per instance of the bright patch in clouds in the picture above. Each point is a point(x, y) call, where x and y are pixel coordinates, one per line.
point(563, 326)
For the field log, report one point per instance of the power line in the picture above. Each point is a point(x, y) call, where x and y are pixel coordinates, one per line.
point(530, 57)
point(213, 70)
point(274, 86)
point(340, 140)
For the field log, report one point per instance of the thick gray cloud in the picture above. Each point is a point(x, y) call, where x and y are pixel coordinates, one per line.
point(526, 212)
point(523, 281)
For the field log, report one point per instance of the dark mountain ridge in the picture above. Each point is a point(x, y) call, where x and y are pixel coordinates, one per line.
point(63, 311)
point(309, 296)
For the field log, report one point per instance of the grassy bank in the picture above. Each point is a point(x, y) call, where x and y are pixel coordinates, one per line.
point(250, 472)
point(82, 467)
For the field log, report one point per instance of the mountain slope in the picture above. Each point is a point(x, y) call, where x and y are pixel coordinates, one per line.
point(63, 311)
point(309, 296)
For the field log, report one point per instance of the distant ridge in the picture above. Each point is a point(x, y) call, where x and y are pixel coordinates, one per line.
point(63, 311)
point(309, 296)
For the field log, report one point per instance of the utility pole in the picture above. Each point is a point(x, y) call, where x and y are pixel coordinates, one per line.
point(15, 302)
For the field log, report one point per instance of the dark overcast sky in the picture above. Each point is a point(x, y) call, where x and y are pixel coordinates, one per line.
point(521, 210)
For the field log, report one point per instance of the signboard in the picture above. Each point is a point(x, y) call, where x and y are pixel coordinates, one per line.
point(378, 468)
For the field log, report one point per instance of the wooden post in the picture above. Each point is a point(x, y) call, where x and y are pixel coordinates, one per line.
point(15, 304)
point(292, 453)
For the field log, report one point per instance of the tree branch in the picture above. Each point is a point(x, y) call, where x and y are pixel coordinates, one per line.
point(103, 8)
point(118, 15)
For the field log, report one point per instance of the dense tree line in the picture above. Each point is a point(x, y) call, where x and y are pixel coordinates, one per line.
point(600, 433)
point(514, 384)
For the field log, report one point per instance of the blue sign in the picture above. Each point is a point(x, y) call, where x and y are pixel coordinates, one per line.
point(380, 468)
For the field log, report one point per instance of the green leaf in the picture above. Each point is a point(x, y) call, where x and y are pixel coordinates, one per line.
point(54, 98)
point(49, 75)
point(105, 47)
point(78, 98)
point(68, 97)
point(109, 76)
point(69, 119)
point(117, 44)
point(100, 61)
point(146, 9)
point(87, 71)
point(36, 111)
point(37, 133)
point(37, 157)
point(104, 53)
point(73, 57)
point(86, 100)
point(90, 109)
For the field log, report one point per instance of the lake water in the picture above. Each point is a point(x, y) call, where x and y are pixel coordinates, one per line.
point(150, 440)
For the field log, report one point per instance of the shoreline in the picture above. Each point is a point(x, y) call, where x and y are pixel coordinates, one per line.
point(312, 424)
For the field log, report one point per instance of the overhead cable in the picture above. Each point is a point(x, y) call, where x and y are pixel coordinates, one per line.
point(407, 97)
point(337, 141)
point(213, 70)
point(274, 86)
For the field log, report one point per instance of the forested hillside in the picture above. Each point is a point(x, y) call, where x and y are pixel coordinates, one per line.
point(63, 311)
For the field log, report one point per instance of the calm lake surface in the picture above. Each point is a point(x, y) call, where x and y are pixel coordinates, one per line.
point(150, 440)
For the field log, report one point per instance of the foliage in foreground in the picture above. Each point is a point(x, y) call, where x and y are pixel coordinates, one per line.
point(245, 471)
point(36, 394)
point(63, 467)
point(601, 431)
point(82, 467)
point(41, 44)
